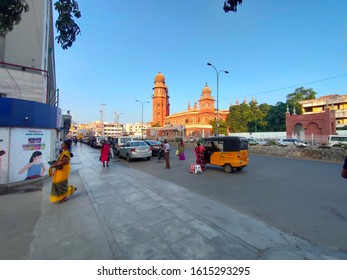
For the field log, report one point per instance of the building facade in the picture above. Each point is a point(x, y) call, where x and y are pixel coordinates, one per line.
point(321, 117)
point(29, 115)
point(334, 102)
point(192, 123)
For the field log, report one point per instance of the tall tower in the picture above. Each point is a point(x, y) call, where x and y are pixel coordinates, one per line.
point(161, 105)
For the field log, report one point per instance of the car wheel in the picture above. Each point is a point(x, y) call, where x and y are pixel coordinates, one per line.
point(128, 157)
point(228, 168)
point(148, 158)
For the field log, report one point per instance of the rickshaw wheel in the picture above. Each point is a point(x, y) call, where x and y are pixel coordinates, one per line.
point(228, 168)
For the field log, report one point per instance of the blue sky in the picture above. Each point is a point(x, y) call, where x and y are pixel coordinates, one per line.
point(269, 47)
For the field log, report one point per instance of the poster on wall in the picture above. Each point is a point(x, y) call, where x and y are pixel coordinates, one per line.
point(4, 144)
point(30, 152)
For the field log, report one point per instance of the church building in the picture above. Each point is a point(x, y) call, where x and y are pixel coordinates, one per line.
point(192, 123)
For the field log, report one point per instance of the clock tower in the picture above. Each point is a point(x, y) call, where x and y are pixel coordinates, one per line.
point(161, 105)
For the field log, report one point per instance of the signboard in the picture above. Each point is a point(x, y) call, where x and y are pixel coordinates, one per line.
point(30, 152)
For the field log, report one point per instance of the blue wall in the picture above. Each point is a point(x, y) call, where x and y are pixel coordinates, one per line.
point(13, 113)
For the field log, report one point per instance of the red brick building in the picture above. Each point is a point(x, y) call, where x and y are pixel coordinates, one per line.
point(311, 127)
point(192, 123)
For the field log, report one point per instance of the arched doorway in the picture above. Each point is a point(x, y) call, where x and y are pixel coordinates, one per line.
point(299, 131)
point(314, 132)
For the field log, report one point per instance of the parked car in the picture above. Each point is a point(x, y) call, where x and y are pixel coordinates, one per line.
point(118, 142)
point(96, 141)
point(292, 141)
point(155, 145)
point(135, 149)
point(253, 141)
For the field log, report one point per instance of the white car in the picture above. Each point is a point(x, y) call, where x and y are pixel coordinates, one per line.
point(135, 149)
point(292, 141)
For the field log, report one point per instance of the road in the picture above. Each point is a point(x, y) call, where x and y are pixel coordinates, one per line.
point(303, 197)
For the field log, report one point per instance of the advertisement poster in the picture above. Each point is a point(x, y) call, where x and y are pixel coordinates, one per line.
point(4, 147)
point(30, 152)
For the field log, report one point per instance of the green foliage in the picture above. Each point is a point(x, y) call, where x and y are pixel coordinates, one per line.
point(222, 127)
point(299, 94)
point(276, 117)
point(10, 14)
point(65, 24)
point(231, 5)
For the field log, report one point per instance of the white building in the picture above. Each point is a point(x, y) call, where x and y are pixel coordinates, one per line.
point(136, 129)
point(30, 117)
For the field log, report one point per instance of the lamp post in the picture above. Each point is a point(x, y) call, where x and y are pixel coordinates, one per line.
point(142, 102)
point(217, 72)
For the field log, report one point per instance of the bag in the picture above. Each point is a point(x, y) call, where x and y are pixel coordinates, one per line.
point(195, 168)
point(177, 153)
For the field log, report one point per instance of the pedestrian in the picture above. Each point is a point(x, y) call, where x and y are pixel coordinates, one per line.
point(344, 169)
point(161, 151)
point(111, 142)
point(181, 155)
point(60, 171)
point(199, 152)
point(215, 148)
point(167, 149)
point(105, 153)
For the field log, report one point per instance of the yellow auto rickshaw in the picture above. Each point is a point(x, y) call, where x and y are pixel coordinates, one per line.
point(230, 152)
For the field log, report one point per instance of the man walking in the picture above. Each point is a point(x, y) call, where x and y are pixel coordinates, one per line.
point(167, 149)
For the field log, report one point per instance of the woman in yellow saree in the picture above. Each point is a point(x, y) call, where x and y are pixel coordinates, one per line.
point(61, 189)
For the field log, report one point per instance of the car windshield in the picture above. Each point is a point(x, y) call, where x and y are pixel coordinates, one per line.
point(123, 140)
point(137, 144)
point(150, 142)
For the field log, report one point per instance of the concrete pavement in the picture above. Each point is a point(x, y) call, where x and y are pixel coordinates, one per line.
point(123, 213)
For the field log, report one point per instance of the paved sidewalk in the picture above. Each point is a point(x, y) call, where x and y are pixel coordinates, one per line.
point(122, 213)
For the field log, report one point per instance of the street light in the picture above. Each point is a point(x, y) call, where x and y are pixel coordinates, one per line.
point(217, 72)
point(142, 115)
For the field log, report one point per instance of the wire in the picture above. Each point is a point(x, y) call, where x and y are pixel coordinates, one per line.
point(297, 85)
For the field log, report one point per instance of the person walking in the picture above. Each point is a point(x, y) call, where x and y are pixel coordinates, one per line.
point(199, 152)
point(181, 155)
point(167, 149)
point(105, 153)
point(60, 171)
point(344, 169)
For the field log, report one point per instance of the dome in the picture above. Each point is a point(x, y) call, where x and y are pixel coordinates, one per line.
point(206, 90)
point(159, 78)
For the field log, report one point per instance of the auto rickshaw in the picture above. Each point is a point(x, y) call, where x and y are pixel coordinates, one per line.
point(229, 152)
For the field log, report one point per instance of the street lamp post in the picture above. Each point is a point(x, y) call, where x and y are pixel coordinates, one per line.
point(217, 72)
point(142, 115)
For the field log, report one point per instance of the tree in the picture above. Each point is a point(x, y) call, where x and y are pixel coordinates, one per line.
point(11, 12)
point(222, 126)
point(276, 117)
point(299, 94)
point(65, 24)
point(239, 117)
point(231, 5)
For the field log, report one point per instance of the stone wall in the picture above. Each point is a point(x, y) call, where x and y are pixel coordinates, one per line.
point(319, 153)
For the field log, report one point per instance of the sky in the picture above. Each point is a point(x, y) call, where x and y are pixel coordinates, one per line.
point(269, 48)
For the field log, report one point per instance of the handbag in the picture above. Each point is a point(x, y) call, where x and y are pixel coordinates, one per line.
point(195, 168)
point(177, 152)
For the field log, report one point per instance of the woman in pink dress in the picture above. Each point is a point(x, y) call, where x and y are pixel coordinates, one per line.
point(199, 154)
point(105, 153)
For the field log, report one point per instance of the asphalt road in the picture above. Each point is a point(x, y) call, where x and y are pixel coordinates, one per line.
point(303, 197)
